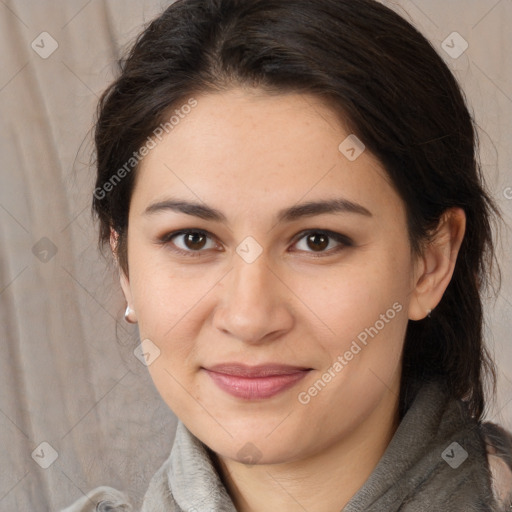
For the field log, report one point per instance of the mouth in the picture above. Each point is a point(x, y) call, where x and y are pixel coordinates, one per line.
point(255, 382)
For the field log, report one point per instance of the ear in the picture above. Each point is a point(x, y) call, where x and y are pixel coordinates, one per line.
point(123, 278)
point(125, 285)
point(434, 269)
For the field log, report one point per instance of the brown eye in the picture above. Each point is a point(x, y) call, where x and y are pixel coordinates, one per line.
point(317, 241)
point(189, 242)
point(194, 240)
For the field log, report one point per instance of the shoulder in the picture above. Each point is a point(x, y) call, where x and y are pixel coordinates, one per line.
point(498, 442)
point(101, 499)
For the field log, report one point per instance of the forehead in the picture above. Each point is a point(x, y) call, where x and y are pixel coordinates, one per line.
point(246, 149)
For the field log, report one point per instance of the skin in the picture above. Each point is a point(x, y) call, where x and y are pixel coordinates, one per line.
point(249, 155)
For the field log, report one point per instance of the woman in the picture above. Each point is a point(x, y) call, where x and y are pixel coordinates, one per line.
point(291, 191)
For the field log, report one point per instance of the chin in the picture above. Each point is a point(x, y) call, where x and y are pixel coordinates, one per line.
point(255, 447)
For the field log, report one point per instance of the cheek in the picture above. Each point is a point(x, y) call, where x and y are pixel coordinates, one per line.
point(357, 295)
point(364, 307)
point(165, 295)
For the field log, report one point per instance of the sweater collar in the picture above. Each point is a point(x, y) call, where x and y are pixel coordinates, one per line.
point(436, 456)
point(193, 480)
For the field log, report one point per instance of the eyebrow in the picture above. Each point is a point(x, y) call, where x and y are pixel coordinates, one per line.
point(308, 209)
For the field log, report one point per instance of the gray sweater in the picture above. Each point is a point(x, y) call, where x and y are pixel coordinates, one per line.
point(439, 460)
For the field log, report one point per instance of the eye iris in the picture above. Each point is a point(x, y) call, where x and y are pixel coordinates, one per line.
point(195, 240)
point(321, 241)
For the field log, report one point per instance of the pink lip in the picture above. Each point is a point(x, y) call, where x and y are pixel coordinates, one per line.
point(254, 382)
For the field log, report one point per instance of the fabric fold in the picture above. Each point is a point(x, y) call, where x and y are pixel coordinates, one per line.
point(436, 462)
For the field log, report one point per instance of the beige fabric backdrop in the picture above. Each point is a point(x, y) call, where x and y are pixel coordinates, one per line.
point(68, 374)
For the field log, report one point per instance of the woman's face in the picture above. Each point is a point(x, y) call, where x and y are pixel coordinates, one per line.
point(263, 279)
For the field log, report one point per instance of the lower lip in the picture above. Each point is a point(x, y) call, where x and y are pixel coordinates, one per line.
point(252, 388)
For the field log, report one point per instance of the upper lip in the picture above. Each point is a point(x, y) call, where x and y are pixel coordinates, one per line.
point(263, 370)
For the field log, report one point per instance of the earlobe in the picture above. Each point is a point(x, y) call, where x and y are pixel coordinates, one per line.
point(125, 285)
point(129, 314)
point(439, 259)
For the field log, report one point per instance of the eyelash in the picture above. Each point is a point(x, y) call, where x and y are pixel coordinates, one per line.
point(338, 237)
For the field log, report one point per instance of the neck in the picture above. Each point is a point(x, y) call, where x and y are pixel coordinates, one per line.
point(323, 482)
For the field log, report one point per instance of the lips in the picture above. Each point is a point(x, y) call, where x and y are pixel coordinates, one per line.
point(255, 382)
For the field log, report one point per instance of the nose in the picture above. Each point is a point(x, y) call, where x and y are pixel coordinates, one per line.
point(254, 306)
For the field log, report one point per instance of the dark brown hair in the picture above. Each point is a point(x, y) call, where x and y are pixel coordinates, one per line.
point(392, 90)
